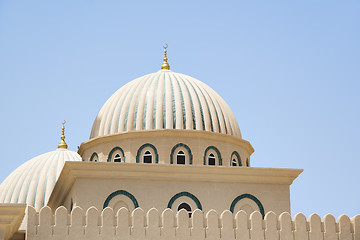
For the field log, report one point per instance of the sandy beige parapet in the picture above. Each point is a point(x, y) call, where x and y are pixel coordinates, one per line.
point(93, 224)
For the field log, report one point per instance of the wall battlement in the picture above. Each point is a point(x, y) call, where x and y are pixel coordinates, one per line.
point(107, 225)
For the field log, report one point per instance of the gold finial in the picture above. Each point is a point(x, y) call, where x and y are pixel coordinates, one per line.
point(62, 143)
point(165, 64)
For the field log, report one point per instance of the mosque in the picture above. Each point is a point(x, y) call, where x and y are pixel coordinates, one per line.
point(164, 142)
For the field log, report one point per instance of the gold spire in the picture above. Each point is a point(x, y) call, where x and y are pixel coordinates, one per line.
point(62, 143)
point(165, 64)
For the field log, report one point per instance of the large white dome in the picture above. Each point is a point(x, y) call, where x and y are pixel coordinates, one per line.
point(33, 182)
point(165, 100)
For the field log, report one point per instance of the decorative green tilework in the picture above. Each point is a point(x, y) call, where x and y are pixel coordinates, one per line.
point(144, 146)
point(121, 192)
point(252, 197)
point(217, 153)
point(113, 150)
point(177, 146)
point(186, 194)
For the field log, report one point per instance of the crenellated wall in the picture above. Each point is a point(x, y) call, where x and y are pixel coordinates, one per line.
point(106, 225)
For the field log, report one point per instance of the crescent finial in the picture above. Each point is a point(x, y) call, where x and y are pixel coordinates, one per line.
point(62, 143)
point(165, 64)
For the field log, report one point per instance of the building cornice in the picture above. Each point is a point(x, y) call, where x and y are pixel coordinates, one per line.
point(11, 216)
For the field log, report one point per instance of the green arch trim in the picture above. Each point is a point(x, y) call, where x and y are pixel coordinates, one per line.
point(121, 192)
point(177, 146)
point(93, 156)
point(186, 194)
point(238, 158)
point(252, 197)
point(217, 152)
point(144, 146)
point(113, 150)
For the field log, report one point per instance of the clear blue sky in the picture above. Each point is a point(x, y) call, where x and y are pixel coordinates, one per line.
point(289, 70)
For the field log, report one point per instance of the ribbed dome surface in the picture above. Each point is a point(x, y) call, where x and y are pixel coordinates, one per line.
point(33, 182)
point(165, 100)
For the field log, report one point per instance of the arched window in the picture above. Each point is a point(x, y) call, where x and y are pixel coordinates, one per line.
point(181, 154)
point(184, 200)
point(180, 157)
point(211, 159)
point(235, 159)
point(147, 158)
point(186, 207)
point(117, 158)
point(247, 162)
point(234, 162)
point(116, 155)
point(147, 153)
point(94, 157)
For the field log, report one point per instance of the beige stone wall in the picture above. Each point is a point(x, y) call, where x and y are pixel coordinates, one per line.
point(154, 224)
point(157, 193)
point(164, 141)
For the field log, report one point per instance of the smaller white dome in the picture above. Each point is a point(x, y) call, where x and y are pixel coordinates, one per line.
point(33, 182)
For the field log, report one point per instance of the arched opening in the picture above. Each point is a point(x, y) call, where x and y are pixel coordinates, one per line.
point(180, 157)
point(181, 154)
point(147, 153)
point(247, 162)
point(116, 155)
point(234, 162)
point(147, 158)
point(211, 159)
point(117, 158)
point(94, 157)
point(186, 207)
